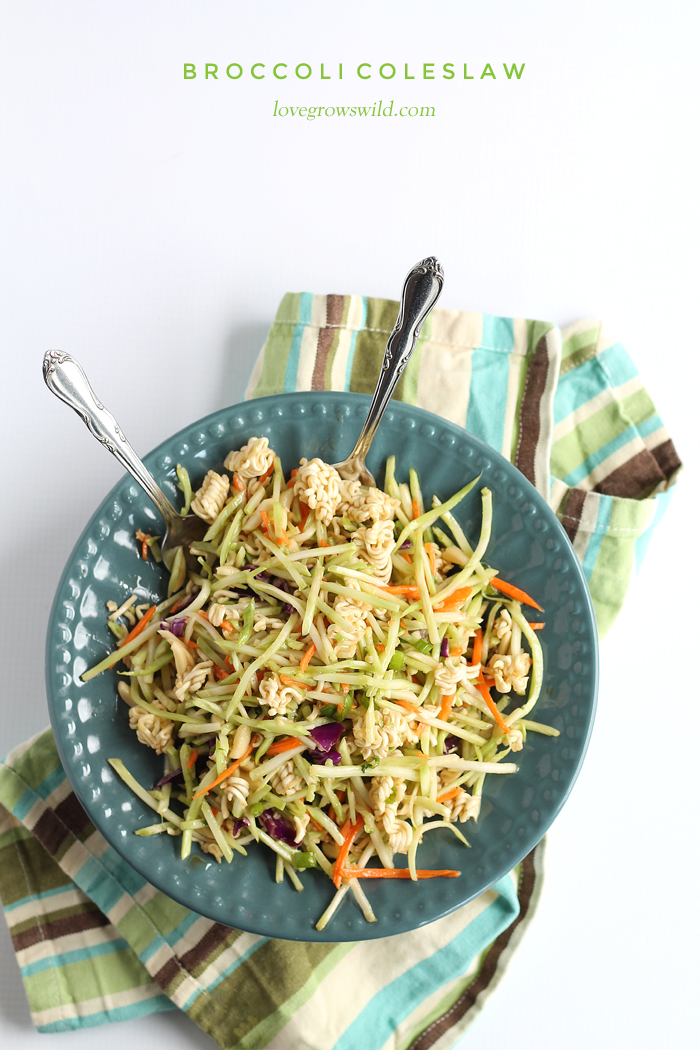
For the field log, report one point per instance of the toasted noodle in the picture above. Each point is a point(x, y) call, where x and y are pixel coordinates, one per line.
point(338, 678)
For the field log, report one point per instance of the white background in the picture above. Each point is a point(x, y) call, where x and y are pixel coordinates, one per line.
point(151, 226)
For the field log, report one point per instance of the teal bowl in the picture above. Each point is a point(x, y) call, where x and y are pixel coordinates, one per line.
point(528, 547)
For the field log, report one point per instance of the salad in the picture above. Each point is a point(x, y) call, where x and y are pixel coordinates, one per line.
point(337, 678)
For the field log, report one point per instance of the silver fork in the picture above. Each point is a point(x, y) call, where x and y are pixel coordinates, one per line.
point(66, 379)
point(421, 290)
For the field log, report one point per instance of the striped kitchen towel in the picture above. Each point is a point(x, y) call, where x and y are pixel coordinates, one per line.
point(96, 943)
point(567, 408)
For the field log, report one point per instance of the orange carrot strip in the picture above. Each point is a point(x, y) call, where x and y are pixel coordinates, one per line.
point(286, 744)
point(266, 475)
point(410, 707)
point(345, 688)
point(398, 873)
point(192, 645)
point(203, 615)
point(452, 793)
point(306, 658)
point(237, 483)
point(323, 543)
point(454, 600)
point(515, 592)
point(483, 689)
point(143, 537)
point(226, 772)
point(139, 627)
point(457, 650)
point(406, 557)
point(409, 589)
point(226, 627)
point(446, 707)
point(478, 644)
point(349, 832)
point(305, 511)
point(537, 626)
point(416, 509)
point(265, 521)
point(286, 680)
point(192, 759)
point(431, 556)
point(293, 472)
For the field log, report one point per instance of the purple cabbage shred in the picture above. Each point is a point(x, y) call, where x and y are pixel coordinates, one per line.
point(321, 757)
point(405, 545)
point(327, 736)
point(451, 744)
point(444, 648)
point(240, 822)
point(175, 774)
point(278, 827)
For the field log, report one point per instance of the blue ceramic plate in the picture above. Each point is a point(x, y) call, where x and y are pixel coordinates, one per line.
point(528, 546)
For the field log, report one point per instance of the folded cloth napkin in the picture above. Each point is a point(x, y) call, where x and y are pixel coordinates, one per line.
point(95, 942)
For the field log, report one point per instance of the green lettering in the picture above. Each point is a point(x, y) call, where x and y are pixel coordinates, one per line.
point(190, 72)
point(214, 69)
point(514, 69)
point(428, 66)
point(488, 72)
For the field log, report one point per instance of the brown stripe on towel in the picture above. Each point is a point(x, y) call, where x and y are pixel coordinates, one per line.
point(468, 998)
point(50, 831)
point(167, 973)
point(667, 458)
point(334, 317)
point(51, 931)
point(571, 518)
point(535, 383)
point(72, 814)
point(204, 948)
point(634, 479)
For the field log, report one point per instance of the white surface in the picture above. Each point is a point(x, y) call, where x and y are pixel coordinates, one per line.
point(151, 226)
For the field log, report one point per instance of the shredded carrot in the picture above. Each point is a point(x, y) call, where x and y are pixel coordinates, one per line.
point(316, 823)
point(203, 615)
point(409, 706)
point(454, 600)
point(398, 873)
point(305, 511)
point(266, 475)
point(226, 627)
point(452, 793)
point(323, 543)
point(143, 537)
point(514, 592)
point(349, 832)
point(219, 673)
point(478, 644)
point(139, 626)
point(285, 679)
point(237, 483)
point(409, 589)
point(483, 689)
point(306, 658)
point(226, 772)
point(431, 556)
point(285, 744)
point(446, 707)
point(457, 650)
point(194, 755)
point(537, 626)
point(406, 557)
point(192, 645)
point(265, 521)
point(416, 509)
point(293, 472)
point(345, 688)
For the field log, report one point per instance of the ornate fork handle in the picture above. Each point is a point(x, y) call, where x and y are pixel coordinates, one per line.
point(421, 290)
point(65, 378)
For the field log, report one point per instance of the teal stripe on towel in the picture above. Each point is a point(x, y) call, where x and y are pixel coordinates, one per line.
point(394, 1003)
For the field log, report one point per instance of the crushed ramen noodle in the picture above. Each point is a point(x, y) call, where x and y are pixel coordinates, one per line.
point(338, 678)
